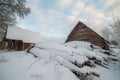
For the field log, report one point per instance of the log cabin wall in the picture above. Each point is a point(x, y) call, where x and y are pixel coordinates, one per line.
point(26, 45)
point(82, 33)
point(16, 45)
point(3, 45)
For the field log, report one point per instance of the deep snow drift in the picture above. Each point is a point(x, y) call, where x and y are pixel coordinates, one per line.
point(54, 62)
point(21, 66)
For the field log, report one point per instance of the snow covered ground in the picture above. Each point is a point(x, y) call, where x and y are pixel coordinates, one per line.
point(55, 62)
point(114, 72)
point(23, 66)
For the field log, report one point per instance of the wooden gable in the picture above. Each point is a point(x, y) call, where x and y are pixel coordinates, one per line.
point(83, 33)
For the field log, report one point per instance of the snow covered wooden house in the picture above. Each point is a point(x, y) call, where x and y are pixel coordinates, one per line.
point(17, 38)
point(82, 32)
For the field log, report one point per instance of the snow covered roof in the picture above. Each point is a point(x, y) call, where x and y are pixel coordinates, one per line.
point(17, 33)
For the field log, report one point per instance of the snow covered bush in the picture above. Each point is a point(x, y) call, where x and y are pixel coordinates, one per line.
point(76, 56)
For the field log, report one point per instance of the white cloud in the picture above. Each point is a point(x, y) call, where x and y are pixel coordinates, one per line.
point(78, 8)
point(89, 9)
point(97, 21)
point(110, 2)
point(87, 14)
point(64, 3)
point(82, 19)
point(92, 11)
point(109, 19)
point(52, 20)
point(48, 21)
point(79, 4)
point(99, 15)
point(71, 18)
point(116, 11)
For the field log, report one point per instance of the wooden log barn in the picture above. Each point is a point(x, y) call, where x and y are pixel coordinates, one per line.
point(18, 39)
point(82, 32)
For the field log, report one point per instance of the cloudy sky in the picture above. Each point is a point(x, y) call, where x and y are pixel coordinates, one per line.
point(56, 18)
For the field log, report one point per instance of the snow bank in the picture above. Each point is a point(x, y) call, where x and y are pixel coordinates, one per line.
point(72, 55)
point(23, 66)
point(54, 61)
point(76, 44)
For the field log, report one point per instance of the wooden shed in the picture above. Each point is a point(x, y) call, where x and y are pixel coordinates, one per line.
point(82, 32)
point(17, 38)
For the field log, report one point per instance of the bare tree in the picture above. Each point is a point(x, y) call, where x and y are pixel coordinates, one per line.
point(9, 10)
point(106, 33)
point(116, 27)
point(116, 30)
